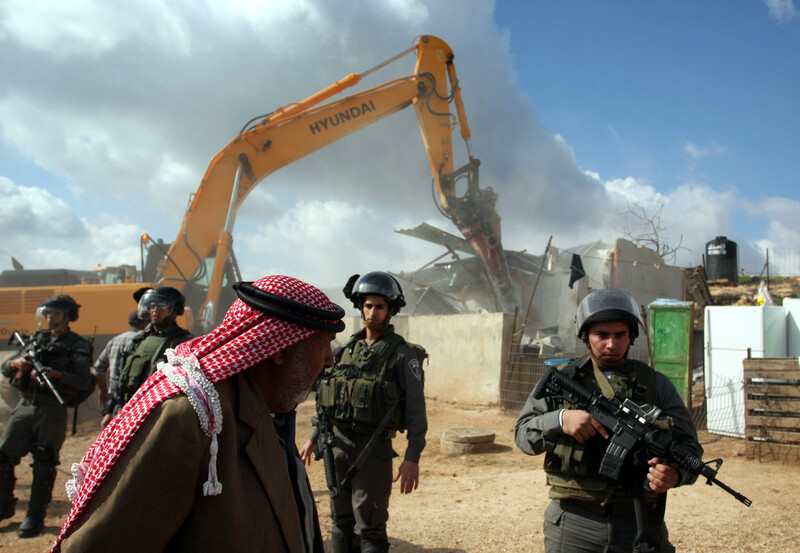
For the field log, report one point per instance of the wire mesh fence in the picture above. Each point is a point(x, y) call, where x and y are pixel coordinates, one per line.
point(523, 371)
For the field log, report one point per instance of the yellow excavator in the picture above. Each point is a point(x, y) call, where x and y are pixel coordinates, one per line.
point(200, 260)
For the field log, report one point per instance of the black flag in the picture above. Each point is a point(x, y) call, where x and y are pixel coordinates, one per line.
point(576, 266)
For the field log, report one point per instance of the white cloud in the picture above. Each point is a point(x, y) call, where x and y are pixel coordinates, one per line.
point(126, 104)
point(696, 152)
point(698, 213)
point(326, 241)
point(98, 152)
point(32, 213)
point(115, 111)
point(78, 28)
point(695, 213)
point(115, 244)
point(44, 232)
point(781, 10)
point(782, 214)
point(628, 191)
point(690, 215)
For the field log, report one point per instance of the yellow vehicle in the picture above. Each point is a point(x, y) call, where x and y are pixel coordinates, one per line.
point(192, 262)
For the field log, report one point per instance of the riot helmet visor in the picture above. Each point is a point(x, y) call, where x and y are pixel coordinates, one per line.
point(163, 300)
point(51, 318)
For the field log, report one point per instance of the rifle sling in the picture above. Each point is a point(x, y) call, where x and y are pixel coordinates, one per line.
point(641, 543)
point(368, 448)
point(603, 383)
point(75, 420)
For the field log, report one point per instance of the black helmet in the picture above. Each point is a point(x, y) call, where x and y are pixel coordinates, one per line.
point(133, 318)
point(609, 305)
point(63, 302)
point(137, 295)
point(375, 283)
point(164, 295)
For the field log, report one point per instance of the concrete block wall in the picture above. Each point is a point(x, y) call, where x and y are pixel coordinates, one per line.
point(467, 353)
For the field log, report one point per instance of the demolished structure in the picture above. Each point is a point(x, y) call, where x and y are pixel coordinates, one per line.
point(481, 354)
point(550, 287)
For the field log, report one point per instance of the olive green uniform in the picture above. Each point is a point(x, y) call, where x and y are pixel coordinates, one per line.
point(148, 349)
point(590, 512)
point(38, 424)
point(362, 506)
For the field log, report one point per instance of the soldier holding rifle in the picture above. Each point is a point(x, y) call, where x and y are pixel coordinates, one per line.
point(590, 512)
point(49, 373)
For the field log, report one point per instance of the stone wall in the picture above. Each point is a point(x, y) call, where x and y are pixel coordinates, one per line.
point(467, 353)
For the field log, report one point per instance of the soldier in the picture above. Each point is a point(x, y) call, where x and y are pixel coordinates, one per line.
point(387, 371)
point(38, 424)
point(589, 512)
point(161, 306)
point(111, 360)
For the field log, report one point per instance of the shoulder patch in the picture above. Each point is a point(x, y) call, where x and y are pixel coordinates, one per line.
point(416, 370)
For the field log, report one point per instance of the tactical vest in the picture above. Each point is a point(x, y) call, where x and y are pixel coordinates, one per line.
point(360, 388)
point(55, 355)
point(572, 468)
point(148, 350)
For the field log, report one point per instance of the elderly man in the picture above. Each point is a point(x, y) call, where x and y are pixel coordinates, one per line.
point(156, 480)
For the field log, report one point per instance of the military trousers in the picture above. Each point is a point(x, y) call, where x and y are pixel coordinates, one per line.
point(570, 527)
point(363, 504)
point(40, 424)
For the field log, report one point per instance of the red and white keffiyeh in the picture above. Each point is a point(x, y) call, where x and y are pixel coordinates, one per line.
point(244, 338)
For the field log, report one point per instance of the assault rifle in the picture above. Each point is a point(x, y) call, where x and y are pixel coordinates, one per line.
point(632, 427)
point(324, 449)
point(325, 441)
point(39, 371)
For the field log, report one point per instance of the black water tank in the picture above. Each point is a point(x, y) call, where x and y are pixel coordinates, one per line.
point(722, 262)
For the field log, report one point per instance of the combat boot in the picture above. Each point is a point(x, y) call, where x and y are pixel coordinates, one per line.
point(8, 502)
point(344, 540)
point(371, 545)
point(44, 476)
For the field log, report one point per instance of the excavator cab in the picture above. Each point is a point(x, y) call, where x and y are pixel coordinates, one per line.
point(210, 309)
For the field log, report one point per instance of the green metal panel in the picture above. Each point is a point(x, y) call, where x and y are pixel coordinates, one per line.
point(671, 335)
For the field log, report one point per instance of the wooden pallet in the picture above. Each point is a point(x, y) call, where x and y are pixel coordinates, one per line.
point(767, 451)
point(772, 408)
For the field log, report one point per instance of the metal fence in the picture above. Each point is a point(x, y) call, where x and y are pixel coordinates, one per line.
point(523, 371)
point(784, 262)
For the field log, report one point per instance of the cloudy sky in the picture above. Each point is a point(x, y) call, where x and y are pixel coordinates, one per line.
point(580, 112)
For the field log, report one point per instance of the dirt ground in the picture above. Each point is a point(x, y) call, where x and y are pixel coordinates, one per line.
point(494, 501)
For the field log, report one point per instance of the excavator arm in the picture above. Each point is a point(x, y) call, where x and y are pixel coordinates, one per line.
point(296, 130)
